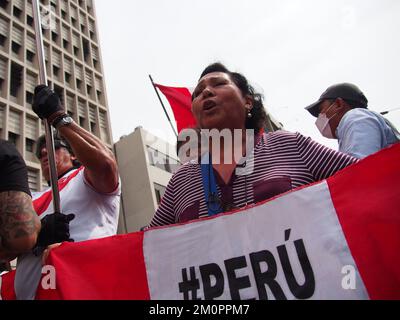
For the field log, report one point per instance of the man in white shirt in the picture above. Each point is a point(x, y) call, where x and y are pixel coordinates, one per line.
point(342, 114)
point(91, 192)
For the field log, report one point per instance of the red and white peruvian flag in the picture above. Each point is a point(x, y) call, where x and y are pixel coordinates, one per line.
point(7, 286)
point(180, 100)
point(336, 239)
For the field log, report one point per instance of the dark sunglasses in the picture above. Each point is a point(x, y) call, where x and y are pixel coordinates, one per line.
point(57, 145)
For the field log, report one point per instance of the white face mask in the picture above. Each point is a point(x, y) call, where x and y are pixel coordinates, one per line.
point(323, 126)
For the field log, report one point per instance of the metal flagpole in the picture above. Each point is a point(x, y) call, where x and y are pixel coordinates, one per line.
point(48, 129)
point(162, 104)
point(386, 112)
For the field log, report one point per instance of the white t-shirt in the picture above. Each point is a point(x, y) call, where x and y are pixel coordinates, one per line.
point(96, 216)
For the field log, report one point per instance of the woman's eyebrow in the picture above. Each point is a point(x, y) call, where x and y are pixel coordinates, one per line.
point(198, 87)
point(211, 79)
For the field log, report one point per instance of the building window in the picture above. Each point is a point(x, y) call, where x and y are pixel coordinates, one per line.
point(67, 77)
point(15, 47)
point(17, 12)
point(30, 56)
point(29, 20)
point(13, 138)
point(29, 145)
point(56, 71)
point(161, 160)
point(2, 40)
point(16, 79)
point(60, 93)
point(159, 191)
point(70, 105)
point(65, 43)
point(82, 121)
point(33, 180)
point(29, 97)
point(54, 36)
point(4, 4)
point(86, 50)
point(92, 127)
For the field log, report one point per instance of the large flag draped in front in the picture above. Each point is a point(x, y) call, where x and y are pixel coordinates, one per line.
point(336, 239)
point(180, 100)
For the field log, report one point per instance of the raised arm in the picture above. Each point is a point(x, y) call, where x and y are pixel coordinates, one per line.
point(100, 165)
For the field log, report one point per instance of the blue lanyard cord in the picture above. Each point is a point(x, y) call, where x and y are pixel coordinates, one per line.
point(210, 186)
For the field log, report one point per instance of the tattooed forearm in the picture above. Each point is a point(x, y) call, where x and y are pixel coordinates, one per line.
point(19, 224)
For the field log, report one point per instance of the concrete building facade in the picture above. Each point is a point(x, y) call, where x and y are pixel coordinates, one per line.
point(74, 69)
point(146, 164)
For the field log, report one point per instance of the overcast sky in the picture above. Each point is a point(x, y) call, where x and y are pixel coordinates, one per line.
point(290, 50)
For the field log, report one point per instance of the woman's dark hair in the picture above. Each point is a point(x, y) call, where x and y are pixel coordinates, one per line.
point(259, 116)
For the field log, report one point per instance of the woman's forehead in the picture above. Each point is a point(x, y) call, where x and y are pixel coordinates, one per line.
point(213, 76)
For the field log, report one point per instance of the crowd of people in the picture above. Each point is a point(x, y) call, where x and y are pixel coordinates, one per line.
point(225, 174)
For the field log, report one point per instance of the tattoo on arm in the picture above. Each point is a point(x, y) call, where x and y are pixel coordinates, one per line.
point(17, 217)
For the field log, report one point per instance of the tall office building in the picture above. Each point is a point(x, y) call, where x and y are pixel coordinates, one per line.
point(74, 69)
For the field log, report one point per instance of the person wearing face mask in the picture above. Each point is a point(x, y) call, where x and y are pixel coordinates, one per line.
point(342, 114)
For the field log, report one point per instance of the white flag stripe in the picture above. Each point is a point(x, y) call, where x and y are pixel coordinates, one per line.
point(168, 251)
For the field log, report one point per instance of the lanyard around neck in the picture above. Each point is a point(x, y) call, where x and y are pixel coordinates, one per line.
point(209, 185)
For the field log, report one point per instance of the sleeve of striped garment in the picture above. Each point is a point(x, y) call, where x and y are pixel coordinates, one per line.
point(165, 214)
point(320, 160)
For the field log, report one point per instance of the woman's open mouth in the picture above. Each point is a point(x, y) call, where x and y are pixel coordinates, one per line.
point(208, 105)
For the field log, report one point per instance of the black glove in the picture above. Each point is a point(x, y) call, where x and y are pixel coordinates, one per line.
point(45, 102)
point(55, 229)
